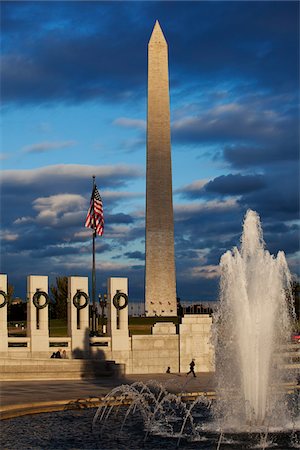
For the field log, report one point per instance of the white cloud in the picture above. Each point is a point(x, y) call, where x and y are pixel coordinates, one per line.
point(226, 108)
point(133, 144)
point(84, 234)
point(229, 121)
point(115, 195)
point(23, 219)
point(43, 147)
point(65, 172)
point(186, 122)
point(182, 209)
point(207, 272)
point(8, 235)
point(60, 209)
point(195, 186)
point(103, 266)
point(111, 266)
point(130, 123)
point(59, 203)
point(117, 232)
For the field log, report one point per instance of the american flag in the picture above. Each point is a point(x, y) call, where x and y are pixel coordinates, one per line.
point(95, 217)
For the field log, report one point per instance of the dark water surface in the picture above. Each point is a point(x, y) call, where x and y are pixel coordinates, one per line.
point(71, 429)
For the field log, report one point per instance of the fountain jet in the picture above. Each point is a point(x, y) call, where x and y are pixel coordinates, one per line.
point(252, 324)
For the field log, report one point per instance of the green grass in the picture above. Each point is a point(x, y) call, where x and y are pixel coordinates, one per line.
point(143, 325)
point(14, 331)
point(58, 327)
point(150, 321)
point(137, 325)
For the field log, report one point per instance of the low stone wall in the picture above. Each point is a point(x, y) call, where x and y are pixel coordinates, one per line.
point(164, 348)
point(153, 354)
point(57, 369)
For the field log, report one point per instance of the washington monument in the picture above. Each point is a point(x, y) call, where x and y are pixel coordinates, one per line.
point(160, 283)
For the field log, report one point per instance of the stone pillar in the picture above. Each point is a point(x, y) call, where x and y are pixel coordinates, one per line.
point(78, 319)
point(117, 319)
point(37, 319)
point(3, 316)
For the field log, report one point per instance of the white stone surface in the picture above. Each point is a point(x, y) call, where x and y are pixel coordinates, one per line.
point(117, 320)
point(117, 323)
point(78, 320)
point(154, 354)
point(195, 343)
point(3, 317)
point(37, 320)
point(164, 328)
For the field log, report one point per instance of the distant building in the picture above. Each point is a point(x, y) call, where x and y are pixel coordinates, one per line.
point(16, 301)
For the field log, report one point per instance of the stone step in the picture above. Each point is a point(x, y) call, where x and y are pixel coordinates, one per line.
point(13, 370)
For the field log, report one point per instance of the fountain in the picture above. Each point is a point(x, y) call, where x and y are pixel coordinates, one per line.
point(252, 324)
point(251, 327)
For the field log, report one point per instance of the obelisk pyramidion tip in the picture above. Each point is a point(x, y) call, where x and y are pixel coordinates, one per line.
point(157, 33)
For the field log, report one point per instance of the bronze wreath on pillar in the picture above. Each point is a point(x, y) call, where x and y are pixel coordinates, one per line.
point(77, 297)
point(116, 300)
point(4, 295)
point(36, 298)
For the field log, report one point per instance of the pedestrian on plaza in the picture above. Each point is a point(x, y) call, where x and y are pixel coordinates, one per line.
point(168, 369)
point(192, 368)
point(64, 354)
point(58, 354)
point(53, 355)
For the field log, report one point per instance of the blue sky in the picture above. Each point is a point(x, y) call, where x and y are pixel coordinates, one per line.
point(73, 91)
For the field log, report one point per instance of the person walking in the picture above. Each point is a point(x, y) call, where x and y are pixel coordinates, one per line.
point(192, 368)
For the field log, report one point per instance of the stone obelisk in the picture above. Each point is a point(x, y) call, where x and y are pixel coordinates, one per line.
point(160, 281)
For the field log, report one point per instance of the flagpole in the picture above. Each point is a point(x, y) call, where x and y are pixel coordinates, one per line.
point(94, 277)
point(95, 220)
